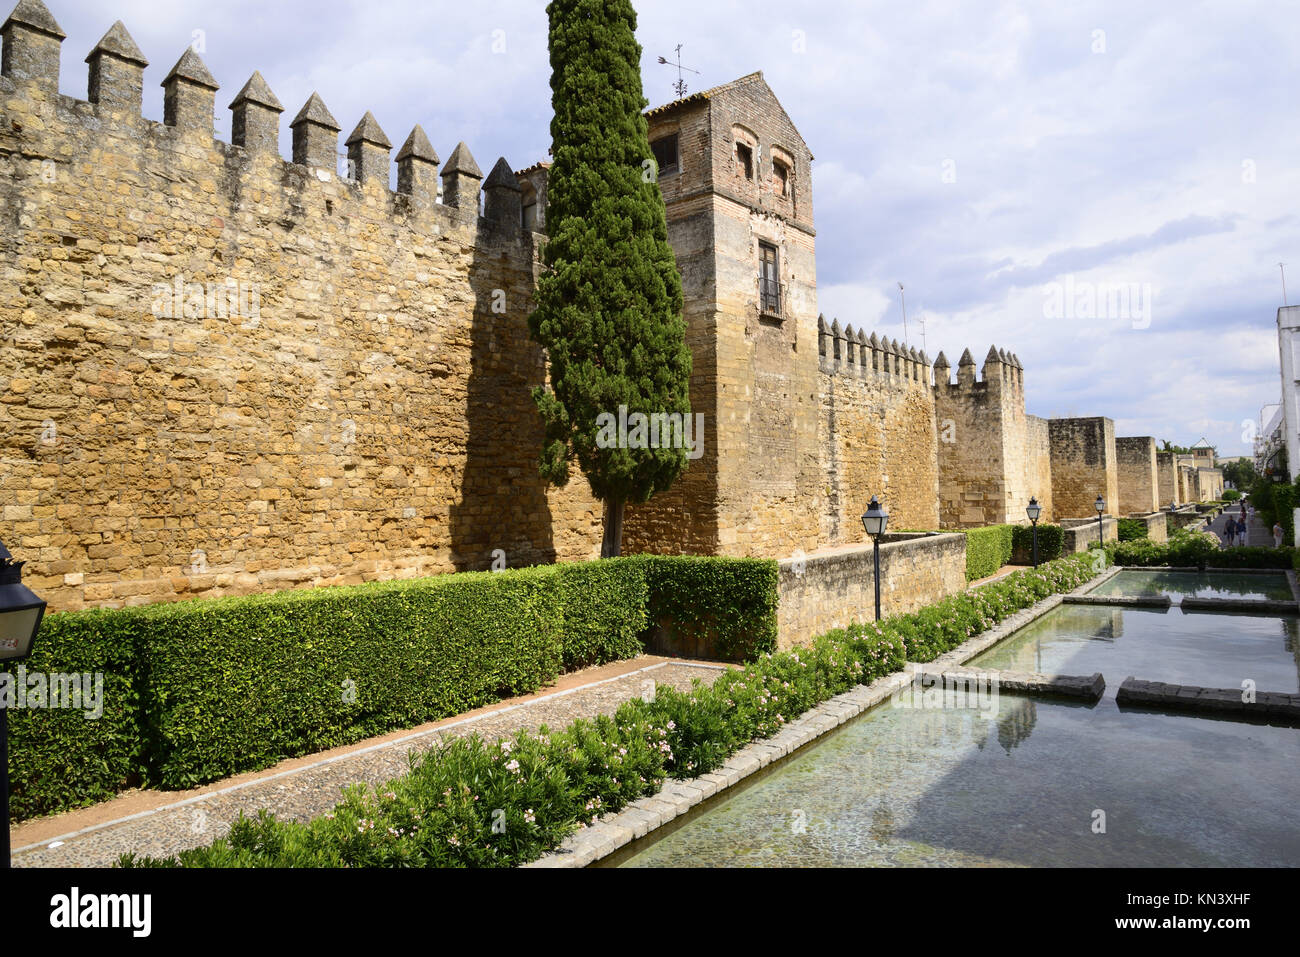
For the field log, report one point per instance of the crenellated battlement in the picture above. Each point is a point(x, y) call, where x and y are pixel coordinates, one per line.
point(30, 71)
point(845, 352)
point(1001, 371)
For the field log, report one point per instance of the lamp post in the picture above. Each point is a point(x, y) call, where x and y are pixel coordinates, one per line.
point(20, 618)
point(874, 521)
point(1100, 506)
point(1033, 510)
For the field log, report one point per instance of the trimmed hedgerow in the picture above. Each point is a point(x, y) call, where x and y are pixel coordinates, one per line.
point(1186, 548)
point(195, 691)
point(238, 684)
point(535, 789)
point(988, 549)
point(1132, 529)
point(58, 758)
point(731, 600)
point(606, 606)
point(1051, 541)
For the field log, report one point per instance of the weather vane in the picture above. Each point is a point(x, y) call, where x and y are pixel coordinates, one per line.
point(680, 85)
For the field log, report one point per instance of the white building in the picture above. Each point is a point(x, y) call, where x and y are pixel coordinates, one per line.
point(1288, 343)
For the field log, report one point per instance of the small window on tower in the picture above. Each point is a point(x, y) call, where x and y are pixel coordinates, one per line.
point(665, 151)
point(780, 178)
point(745, 160)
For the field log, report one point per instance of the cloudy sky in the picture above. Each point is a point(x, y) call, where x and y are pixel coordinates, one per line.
point(1007, 162)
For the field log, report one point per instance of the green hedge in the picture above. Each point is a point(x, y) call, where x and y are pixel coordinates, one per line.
point(59, 759)
point(988, 549)
point(1132, 529)
point(1194, 549)
point(442, 813)
point(731, 601)
point(605, 612)
point(1051, 541)
point(1231, 495)
point(200, 690)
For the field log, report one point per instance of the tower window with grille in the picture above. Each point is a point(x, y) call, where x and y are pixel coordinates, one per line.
point(769, 280)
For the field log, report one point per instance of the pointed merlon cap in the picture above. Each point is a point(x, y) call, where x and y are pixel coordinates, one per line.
point(257, 91)
point(417, 146)
point(315, 111)
point(191, 67)
point(915, 356)
point(862, 338)
point(836, 331)
point(850, 334)
point(992, 356)
point(821, 322)
point(895, 348)
point(1015, 361)
point(369, 131)
point(925, 360)
point(1002, 354)
point(941, 362)
point(119, 43)
point(32, 13)
point(462, 161)
point(502, 175)
point(966, 359)
point(875, 342)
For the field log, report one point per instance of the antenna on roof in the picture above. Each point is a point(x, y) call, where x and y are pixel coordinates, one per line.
point(680, 85)
point(1282, 266)
point(904, 299)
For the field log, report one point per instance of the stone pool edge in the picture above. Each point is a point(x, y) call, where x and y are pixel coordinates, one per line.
point(607, 835)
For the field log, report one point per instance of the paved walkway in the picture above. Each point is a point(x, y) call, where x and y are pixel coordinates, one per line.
point(164, 822)
point(1256, 533)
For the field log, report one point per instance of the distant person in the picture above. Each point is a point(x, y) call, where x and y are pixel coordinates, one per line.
point(1229, 527)
point(1277, 534)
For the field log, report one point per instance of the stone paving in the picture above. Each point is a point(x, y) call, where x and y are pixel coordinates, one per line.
point(1256, 534)
point(307, 792)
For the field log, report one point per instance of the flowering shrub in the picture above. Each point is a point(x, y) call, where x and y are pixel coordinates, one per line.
point(473, 804)
point(1186, 548)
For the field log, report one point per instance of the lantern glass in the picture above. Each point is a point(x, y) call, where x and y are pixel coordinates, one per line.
point(1099, 505)
point(20, 617)
point(876, 518)
point(1033, 509)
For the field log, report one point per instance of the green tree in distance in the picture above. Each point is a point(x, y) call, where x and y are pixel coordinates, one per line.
point(609, 301)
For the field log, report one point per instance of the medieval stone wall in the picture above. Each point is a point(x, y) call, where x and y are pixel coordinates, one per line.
point(225, 372)
point(837, 587)
point(992, 456)
point(876, 436)
point(1167, 478)
point(1083, 466)
point(1136, 475)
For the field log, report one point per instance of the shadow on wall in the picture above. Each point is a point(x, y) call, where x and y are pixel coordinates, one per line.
point(502, 513)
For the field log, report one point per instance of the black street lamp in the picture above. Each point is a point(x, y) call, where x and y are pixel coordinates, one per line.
point(20, 618)
point(1100, 506)
point(1033, 510)
point(874, 521)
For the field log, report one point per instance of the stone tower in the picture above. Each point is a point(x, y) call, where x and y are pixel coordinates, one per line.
point(993, 457)
point(736, 180)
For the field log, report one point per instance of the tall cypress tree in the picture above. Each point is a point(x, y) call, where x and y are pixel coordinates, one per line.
point(609, 301)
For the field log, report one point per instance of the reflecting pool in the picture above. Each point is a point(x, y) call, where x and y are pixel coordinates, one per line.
point(1134, 582)
point(1210, 649)
point(1042, 783)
